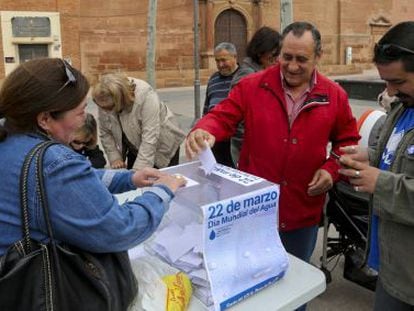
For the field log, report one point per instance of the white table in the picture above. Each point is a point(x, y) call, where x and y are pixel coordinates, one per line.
point(302, 283)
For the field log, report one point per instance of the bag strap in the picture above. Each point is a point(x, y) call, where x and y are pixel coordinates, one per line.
point(41, 189)
point(38, 152)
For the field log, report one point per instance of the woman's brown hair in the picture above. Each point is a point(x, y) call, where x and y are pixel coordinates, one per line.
point(40, 85)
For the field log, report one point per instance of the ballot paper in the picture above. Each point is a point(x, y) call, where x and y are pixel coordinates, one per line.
point(222, 232)
point(207, 159)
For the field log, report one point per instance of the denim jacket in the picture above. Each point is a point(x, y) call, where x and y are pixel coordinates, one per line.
point(83, 210)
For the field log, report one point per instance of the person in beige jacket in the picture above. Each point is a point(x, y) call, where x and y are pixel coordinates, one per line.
point(136, 129)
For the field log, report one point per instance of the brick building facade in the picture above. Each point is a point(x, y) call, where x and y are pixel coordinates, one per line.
point(110, 35)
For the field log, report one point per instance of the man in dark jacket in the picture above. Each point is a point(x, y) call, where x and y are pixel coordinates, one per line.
point(218, 88)
point(388, 174)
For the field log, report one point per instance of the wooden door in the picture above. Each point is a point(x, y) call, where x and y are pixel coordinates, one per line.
point(231, 26)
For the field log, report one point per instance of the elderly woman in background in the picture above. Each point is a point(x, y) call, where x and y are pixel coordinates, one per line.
point(136, 128)
point(45, 99)
point(262, 51)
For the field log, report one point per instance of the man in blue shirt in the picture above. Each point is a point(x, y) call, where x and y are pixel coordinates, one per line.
point(218, 88)
point(388, 174)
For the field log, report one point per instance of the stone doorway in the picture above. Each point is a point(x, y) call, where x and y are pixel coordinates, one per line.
point(231, 26)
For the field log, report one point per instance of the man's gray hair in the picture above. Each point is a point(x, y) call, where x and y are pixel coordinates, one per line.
point(230, 47)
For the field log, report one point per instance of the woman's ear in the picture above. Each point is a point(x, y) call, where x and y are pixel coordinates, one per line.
point(43, 120)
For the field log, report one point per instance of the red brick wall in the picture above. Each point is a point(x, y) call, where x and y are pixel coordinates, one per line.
point(1, 55)
point(114, 36)
point(28, 5)
point(70, 30)
point(107, 35)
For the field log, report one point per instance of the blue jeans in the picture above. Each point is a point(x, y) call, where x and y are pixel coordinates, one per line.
point(384, 301)
point(300, 243)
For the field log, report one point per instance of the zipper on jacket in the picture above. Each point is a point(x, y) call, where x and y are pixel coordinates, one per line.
point(308, 103)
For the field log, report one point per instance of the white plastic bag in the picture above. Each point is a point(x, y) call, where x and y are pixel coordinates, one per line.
point(152, 291)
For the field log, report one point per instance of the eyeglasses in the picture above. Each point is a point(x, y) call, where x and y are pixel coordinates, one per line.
point(69, 75)
point(391, 51)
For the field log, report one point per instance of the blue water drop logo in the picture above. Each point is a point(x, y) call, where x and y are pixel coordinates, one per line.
point(212, 235)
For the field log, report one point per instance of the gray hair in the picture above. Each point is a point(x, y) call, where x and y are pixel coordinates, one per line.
point(230, 47)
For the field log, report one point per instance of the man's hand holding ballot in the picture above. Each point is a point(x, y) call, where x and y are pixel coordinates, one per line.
point(196, 142)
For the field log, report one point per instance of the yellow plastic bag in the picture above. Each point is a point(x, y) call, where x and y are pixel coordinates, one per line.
point(179, 291)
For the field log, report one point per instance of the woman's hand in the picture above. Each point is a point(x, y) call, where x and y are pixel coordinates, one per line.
point(171, 181)
point(117, 164)
point(146, 177)
point(196, 142)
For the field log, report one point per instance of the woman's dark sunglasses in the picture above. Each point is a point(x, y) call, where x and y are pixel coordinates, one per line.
point(392, 51)
point(69, 75)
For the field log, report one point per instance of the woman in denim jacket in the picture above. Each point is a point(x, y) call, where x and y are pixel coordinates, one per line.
point(45, 99)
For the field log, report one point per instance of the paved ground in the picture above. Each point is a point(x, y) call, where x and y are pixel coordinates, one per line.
point(340, 294)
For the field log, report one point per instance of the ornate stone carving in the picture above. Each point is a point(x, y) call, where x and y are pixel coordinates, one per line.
point(380, 21)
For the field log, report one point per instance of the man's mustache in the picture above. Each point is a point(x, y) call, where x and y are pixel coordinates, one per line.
point(405, 99)
point(402, 96)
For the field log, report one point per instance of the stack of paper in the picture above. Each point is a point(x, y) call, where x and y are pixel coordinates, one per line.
point(181, 247)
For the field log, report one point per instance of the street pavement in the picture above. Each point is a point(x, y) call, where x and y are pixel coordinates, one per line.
point(341, 294)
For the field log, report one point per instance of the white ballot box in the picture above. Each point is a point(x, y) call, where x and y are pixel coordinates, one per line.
point(221, 229)
point(301, 283)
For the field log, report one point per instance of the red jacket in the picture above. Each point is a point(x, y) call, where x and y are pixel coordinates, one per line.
point(288, 156)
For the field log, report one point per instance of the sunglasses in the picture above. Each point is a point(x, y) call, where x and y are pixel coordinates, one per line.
point(392, 51)
point(69, 75)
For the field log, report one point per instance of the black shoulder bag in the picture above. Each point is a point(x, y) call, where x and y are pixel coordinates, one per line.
point(54, 276)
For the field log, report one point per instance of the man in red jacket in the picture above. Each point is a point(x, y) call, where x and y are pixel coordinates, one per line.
point(291, 113)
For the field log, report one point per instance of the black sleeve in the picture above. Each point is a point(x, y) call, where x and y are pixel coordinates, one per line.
point(206, 107)
point(96, 157)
